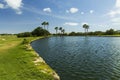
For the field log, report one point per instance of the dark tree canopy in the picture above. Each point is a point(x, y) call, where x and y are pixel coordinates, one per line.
point(86, 27)
point(39, 31)
point(24, 34)
point(110, 32)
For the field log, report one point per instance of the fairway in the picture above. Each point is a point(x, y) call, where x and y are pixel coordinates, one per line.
point(17, 63)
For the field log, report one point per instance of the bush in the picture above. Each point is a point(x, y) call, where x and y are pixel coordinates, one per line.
point(110, 32)
point(39, 31)
point(25, 34)
point(25, 41)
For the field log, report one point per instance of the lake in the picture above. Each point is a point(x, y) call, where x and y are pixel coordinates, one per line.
point(81, 58)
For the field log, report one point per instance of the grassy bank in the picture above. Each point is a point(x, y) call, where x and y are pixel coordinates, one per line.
point(94, 35)
point(110, 35)
point(19, 63)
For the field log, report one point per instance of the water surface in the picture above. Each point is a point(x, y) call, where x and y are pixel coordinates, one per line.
point(82, 58)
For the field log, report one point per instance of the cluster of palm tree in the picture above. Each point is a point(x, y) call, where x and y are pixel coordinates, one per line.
point(86, 27)
point(45, 24)
point(62, 31)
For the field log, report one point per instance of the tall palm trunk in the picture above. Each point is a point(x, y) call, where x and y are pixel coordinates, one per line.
point(47, 27)
point(60, 32)
point(44, 26)
point(56, 32)
point(85, 31)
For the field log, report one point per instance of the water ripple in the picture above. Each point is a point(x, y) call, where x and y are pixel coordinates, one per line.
point(82, 58)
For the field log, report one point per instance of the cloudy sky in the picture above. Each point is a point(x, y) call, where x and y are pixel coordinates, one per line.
point(25, 15)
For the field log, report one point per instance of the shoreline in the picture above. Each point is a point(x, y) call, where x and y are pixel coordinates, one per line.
point(24, 62)
point(92, 36)
point(39, 59)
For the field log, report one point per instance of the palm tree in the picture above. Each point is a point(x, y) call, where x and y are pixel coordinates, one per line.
point(60, 28)
point(56, 28)
point(47, 23)
point(86, 27)
point(44, 24)
point(63, 31)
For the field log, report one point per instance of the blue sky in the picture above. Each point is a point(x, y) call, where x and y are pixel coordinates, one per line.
point(25, 15)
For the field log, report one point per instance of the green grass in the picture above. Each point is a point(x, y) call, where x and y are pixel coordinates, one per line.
point(111, 35)
point(16, 63)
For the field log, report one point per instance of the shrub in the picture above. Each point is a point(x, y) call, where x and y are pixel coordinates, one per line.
point(25, 34)
point(40, 32)
point(25, 41)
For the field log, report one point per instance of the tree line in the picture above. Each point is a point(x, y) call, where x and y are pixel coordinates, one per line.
point(43, 31)
point(86, 28)
point(62, 31)
point(96, 33)
point(39, 31)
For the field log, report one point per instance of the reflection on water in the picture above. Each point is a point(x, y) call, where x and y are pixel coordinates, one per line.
point(82, 58)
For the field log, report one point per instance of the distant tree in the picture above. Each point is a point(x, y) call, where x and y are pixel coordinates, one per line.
point(118, 32)
point(60, 28)
point(63, 31)
point(76, 34)
point(86, 27)
point(44, 24)
point(72, 34)
point(110, 32)
point(90, 33)
point(25, 41)
point(56, 28)
point(47, 23)
point(40, 32)
point(98, 33)
point(24, 34)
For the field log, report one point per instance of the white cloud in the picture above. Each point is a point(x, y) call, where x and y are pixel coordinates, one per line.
point(67, 11)
point(2, 6)
point(117, 3)
point(116, 10)
point(82, 12)
point(47, 10)
point(15, 4)
point(91, 11)
point(113, 13)
point(83, 23)
point(71, 24)
point(72, 10)
point(116, 20)
point(19, 12)
point(37, 11)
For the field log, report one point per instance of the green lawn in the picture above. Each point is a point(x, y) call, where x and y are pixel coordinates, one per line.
point(110, 35)
point(17, 63)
